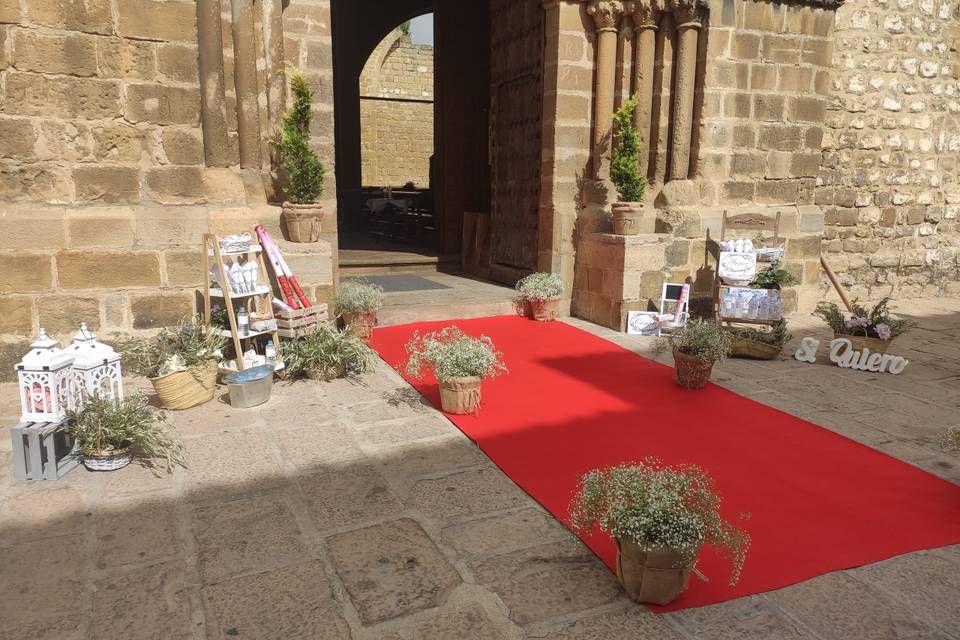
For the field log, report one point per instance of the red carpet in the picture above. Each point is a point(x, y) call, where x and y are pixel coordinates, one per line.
point(572, 401)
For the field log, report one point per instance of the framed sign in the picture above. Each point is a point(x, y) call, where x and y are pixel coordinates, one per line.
point(737, 268)
point(643, 323)
point(674, 305)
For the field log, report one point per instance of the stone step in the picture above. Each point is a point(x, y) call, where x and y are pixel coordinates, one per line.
point(402, 314)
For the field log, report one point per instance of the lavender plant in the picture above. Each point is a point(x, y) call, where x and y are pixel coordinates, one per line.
point(874, 323)
point(451, 353)
point(654, 505)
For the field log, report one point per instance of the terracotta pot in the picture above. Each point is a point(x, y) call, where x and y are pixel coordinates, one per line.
point(545, 310)
point(360, 323)
point(460, 395)
point(876, 345)
point(692, 372)
point(302, 221)
point(112, 461)
point(657, 576)
point(631, 218)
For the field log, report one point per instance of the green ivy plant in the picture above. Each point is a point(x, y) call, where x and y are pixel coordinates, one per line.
point(655, 506)
point(304, 170)
point(624, 165)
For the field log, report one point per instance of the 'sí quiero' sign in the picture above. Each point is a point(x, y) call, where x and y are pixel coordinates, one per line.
point(845, 356)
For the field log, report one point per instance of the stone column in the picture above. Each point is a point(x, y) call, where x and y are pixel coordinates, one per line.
point(688, 20)
point(606, 14)
point(213, 111)
point(245, 80)
point(645, 19)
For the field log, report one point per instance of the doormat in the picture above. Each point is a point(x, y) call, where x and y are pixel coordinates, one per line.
point(402, 282)
point(817, 501)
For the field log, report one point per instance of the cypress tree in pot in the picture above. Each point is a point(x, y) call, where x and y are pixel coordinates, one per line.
point(629, 215)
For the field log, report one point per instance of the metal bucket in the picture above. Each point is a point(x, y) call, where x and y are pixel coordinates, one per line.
point(250, 387)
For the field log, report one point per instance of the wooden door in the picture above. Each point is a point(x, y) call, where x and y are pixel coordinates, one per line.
point(517, 33)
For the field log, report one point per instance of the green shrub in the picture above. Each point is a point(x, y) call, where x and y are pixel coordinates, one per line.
point(653, 505)
point(104, 425)
point(704, 339)
point(540, 286)
point(624, 163)
point(304, 170)
point(875, 323)
point(326, 353)
point(358, 296)
point(186, 345)
point(451, 353)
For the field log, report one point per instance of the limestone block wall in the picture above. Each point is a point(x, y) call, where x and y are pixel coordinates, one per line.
point(396, 113)
point(764, 95)
point(104, 192)
point(890, 176)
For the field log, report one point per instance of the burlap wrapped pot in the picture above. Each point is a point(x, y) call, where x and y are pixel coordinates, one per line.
point(692, 372)
point(460, 395)
point(545, 310)
point(302, 221)
point(657, 576)
point(360, 323)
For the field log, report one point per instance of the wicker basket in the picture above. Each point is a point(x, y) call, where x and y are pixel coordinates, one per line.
point(691, 372)
point(186, 388)
point(302, 221)
point(876, 345)
point(112, 461)
point(744, 348)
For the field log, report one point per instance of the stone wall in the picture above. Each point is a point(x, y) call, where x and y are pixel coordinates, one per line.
point(396, 113)
point(890, 177)
point(104, 191)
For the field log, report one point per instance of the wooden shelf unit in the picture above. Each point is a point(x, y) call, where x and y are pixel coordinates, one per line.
point(263, 294)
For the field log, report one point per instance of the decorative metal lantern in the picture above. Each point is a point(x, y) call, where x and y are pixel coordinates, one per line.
point(96, 367)
point(46, 381)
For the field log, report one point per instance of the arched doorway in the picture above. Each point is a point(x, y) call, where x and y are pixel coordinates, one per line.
point(485, 176)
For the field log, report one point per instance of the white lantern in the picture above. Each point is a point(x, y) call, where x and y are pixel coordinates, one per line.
point(96, 367)
point(46, 381)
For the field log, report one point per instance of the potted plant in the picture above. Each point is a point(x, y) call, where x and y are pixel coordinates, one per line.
point(181, 362)
point(304, 171)
point(696, 347)
point(629, 215)
point(357, 302)
point(950, 439)
point(110, 432)
point(460, 363)
point(542, 292)
point(874, 329)
point(325, 354)
point(772, 277)
point(756, 343)
point(660, 517)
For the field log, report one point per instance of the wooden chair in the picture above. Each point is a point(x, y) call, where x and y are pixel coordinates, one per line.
point(742, 222)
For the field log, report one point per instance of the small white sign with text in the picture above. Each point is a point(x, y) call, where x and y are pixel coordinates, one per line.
point(844, 355)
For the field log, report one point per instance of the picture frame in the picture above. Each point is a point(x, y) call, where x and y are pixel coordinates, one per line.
point(643, 323)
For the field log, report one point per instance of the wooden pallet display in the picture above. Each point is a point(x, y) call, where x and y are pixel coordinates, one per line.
point(42, 452)
point(262, 296)
point(743, 222)
point(296, 323)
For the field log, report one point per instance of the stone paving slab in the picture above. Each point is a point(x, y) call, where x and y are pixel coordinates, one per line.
point(353, 509)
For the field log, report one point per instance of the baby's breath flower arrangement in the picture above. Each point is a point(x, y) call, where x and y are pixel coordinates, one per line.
point(950, 439)
point(451, 353)
point(358, 296)
point(540, 286)
point(658, 506)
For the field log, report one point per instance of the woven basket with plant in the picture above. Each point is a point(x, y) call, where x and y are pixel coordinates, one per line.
point(874, 329)
point(696, 347)
point(542, 292)
point(325, 354)
point(357, 302)
point(756, 343)
point(181, 362)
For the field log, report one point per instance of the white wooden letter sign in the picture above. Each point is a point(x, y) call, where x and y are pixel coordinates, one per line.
point(845, 356)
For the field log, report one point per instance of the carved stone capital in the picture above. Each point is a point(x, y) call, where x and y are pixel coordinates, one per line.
point(607, 13)
point(688, 13)
point(646, 14)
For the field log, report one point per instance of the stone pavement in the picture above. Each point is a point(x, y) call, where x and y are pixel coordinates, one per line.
point(346, 510)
